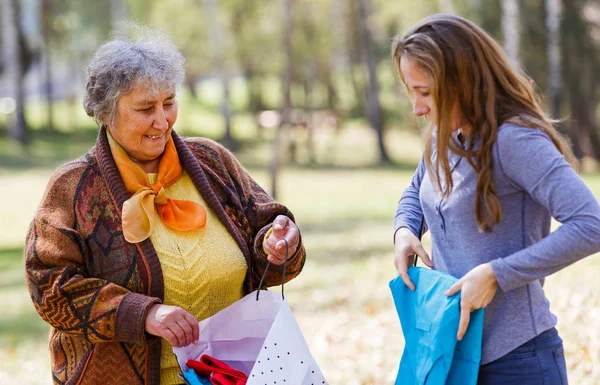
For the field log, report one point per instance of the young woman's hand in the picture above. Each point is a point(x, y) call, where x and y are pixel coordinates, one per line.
point(477, 288)
point(406, 246)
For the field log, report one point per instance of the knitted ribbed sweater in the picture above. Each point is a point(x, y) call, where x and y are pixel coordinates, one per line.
point(94, 288)
point(203, 269)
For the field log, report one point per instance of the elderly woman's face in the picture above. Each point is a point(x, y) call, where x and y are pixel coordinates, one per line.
point(144, 123)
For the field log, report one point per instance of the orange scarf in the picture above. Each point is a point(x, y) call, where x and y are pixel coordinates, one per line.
point(138, 211)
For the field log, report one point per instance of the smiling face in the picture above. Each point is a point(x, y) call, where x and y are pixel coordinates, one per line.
point(143, 125)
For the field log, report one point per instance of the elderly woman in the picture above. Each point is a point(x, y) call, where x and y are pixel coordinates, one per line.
point(147, 233)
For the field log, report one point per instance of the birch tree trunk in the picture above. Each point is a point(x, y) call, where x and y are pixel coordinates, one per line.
point(118, 15)
point(286, 80)
point(580, 69)
point(446, 6)
point(216, 37)
point(553, 20)
point(475, 4)
point(47, 36)
point(510, 30)
point(251, 73)
point(352, 45)
point(13, 68)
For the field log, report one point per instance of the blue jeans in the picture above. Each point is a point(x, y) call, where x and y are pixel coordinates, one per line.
point(540, 361)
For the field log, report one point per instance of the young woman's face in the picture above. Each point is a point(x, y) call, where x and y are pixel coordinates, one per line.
point(419, 87)
point(144, 123)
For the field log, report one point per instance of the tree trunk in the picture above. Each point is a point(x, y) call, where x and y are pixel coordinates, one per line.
point(47, 36)
point(475, 4)
point(553, 19)
point(239, 16)
point(353, 52)
point(332, 96)
point(228, 140)
point(216, 37)
point(374, 112)
point(339, 22)
point(118, 14)
point(75, 65)
point(580, 69)
point(190, 83)
point(584, 113)
point(287, 27)
point(13, 68)
point(309, 108)
point(510, 30)
point(446, 6)
point(255, 99)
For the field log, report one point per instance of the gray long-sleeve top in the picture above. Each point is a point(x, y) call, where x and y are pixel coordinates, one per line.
point(534, 183)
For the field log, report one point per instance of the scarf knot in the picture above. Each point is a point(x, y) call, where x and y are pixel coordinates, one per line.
point(138, 211)
point(156, 187)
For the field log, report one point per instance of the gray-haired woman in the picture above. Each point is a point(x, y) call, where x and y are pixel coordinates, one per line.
point(148, 232)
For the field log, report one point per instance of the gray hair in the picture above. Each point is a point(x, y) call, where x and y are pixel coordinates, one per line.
point(152, 60)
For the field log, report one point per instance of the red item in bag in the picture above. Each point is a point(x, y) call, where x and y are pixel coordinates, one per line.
point(217, 371)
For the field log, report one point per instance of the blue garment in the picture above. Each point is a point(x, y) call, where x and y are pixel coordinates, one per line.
point(192, 378)
point(534, 183)
point(432, 355)
point(540, 361)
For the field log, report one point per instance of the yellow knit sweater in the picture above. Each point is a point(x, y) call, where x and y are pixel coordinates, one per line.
point(203, 269)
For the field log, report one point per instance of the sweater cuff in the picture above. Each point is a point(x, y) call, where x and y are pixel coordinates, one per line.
point(507, 277)
point(130, 320)
point(412, 229)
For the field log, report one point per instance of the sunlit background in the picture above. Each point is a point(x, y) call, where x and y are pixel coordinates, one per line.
point(304, 93)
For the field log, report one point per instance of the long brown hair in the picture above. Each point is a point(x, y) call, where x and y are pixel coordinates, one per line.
point(468, 70)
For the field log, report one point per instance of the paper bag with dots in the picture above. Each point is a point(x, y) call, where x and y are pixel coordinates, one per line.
point(259, 336)
point(284, 358)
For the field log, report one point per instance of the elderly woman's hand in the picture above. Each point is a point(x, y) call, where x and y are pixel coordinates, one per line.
point(172, 323)
point(283, 228)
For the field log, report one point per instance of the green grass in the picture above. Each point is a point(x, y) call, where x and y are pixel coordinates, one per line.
point(23, 334)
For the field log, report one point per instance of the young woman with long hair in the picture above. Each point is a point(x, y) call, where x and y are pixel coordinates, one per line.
point(493, 174)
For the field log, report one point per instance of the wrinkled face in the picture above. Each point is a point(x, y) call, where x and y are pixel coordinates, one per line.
point(419, 87)
point(144, 123)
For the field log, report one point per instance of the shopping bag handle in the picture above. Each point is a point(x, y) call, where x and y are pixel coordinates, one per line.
point(282, 275)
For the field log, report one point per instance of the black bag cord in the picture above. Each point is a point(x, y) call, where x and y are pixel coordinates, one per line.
point(282, 275)
point(421, 231)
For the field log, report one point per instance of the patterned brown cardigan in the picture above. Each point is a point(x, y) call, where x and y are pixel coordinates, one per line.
point(94, 288)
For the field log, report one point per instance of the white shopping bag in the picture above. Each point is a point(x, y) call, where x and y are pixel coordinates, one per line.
point(259, 336)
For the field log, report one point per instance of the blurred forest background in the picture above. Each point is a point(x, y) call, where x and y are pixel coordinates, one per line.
point(304, 93)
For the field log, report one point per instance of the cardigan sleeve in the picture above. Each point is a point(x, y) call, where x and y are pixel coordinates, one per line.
point(552, 182)
point(62, 290)
point(260, 210)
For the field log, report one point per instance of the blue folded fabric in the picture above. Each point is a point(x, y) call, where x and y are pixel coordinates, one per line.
point(192, 378)
point(432, 354)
